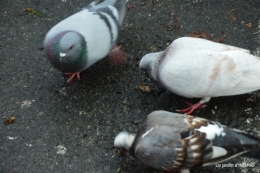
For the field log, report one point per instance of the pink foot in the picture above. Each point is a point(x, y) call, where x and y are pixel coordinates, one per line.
point(72, 76)
point(116, 56)
point(192, 107)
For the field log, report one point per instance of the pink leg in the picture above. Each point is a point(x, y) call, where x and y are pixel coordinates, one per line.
point(192, 107)
point(116, 56)
point(72, 76)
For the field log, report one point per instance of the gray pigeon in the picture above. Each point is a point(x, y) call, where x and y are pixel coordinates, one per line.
point(177, 142)
point(84, 38)
point(198, 68)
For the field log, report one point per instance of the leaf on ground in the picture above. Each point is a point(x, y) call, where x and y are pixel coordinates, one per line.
point(130, 6)
point(198, 34)
point(145, 88)
point(32, 11)
point(203, 34)
point(170, 27)
point(9, 121)
point(221, 39)
point(231, 14)
point(29, 10)
point(249, 25)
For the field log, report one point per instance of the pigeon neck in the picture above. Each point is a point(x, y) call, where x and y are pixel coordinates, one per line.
point(77, 57)
point(129, 141)
point(83, 51)
point(156, 62)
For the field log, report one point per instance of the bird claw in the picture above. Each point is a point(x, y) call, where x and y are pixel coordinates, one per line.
point(191, 108)
point(72, 76)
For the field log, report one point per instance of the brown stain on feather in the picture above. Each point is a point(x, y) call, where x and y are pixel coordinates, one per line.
point(216, 69)
point(231, 66)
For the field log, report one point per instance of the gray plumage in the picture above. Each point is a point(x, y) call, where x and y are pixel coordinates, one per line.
point(119, 5)
point(172, 142)
point(86, 37)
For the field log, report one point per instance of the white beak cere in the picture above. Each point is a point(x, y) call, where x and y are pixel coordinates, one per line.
point(62, 54)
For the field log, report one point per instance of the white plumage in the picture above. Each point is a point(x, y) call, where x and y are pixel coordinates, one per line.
point(194, 67)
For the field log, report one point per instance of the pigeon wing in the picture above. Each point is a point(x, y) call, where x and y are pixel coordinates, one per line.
point(209, 73)
point(170, 142)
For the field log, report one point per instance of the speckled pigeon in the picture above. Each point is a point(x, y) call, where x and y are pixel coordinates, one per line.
point(199, 68)
point(177, 142)
point(84, 38)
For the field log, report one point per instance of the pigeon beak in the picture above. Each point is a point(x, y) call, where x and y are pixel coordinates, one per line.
point(62, 56)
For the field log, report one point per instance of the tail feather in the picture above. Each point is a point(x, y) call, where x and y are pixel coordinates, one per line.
point(249, 140)
point(237, 143)
point(255, 153)
point(120, 5)
point(234, 151)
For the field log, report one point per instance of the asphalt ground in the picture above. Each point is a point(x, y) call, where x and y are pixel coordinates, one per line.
point(63, 127)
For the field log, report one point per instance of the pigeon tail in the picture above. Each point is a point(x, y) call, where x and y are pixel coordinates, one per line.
point(255, 153)
point(120, 5)
point(244, 140)
point(121, 8)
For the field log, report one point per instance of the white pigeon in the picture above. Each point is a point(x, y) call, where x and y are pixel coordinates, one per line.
point(178, 142)
point(198, 68)
point(84, 38)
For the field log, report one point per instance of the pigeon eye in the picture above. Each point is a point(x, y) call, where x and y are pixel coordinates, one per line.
point(71, 47)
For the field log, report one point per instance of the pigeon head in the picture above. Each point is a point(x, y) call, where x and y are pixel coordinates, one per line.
point(124, 140)
point(67, 52)
point(149, 63)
